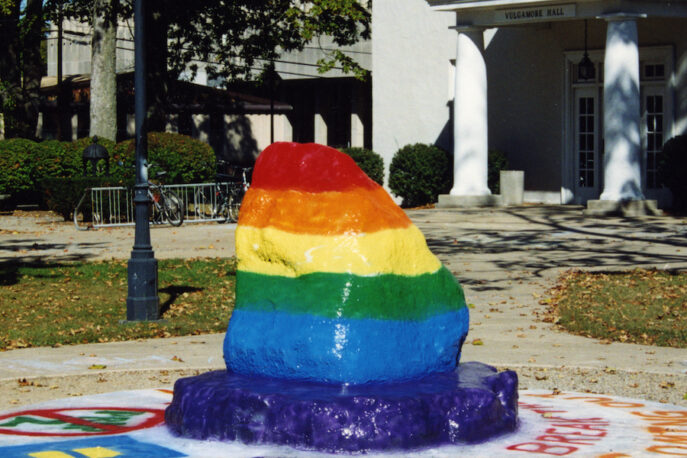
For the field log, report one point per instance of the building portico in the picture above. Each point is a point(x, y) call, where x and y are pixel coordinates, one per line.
point(622, 175)
point(579, 138)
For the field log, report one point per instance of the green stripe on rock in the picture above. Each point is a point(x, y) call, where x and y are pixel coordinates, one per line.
point(391, 297)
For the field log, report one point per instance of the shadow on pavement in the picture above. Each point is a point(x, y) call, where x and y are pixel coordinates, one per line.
point(536, 239)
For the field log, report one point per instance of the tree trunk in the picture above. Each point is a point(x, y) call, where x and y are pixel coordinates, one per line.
point(32, 66)
point(103, 111)
point(10, 72)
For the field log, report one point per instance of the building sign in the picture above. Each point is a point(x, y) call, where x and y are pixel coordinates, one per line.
point(536, 14)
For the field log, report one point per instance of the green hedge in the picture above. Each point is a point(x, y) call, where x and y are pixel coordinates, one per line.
point(17, 166)
point(185, 159)
point(369, 162)
point(27, 168)
point(62, 194)
point(671, 170)
point(419, 173)
point(496, 162)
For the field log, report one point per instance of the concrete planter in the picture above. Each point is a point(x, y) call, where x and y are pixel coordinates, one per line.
point(512, 187)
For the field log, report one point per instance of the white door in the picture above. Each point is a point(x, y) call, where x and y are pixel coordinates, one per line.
point(587, 144)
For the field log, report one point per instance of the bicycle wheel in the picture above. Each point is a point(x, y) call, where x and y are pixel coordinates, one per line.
point(199, 204)
point(221, 211)
point(233, 204)
point(173, 208)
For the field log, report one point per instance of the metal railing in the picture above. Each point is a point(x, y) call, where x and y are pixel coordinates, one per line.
point(113, 206)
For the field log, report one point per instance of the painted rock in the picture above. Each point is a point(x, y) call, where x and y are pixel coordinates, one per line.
point(334, 283)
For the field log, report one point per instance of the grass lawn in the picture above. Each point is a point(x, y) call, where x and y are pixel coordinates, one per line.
point(82, 303)
point(641, 306)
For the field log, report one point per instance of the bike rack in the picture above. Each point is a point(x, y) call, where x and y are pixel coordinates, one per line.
point(112, 206)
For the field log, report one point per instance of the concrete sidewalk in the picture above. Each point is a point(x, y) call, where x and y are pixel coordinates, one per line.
point(505, 258)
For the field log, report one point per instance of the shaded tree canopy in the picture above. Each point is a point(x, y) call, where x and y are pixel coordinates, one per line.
point(21, 65)
point(236, 39)
point(231, 39)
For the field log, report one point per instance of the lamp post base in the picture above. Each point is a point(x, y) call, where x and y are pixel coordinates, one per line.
point(142, 303)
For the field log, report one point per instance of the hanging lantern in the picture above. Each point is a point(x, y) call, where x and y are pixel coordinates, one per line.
point(586, 70)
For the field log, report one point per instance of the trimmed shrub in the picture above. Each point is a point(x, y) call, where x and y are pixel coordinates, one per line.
point(62, 194)
point(419, 173)
point(671, 170)
point(185, 159)
point(17, 166)
point(59, 172)
point(496, 162)
point(369, 162)
point(58, 159)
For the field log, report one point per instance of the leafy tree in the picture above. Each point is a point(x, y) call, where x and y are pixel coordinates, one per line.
point(21, 65)
point(233, 39)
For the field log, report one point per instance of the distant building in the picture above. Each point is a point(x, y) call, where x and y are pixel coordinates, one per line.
point(512, 69)
point(333, 108)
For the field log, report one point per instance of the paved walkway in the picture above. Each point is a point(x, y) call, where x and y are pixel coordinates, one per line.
point(506, 259)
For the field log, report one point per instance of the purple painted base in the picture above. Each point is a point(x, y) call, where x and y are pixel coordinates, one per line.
point(471, 404)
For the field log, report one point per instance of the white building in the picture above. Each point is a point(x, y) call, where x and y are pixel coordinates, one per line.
point(512, 68)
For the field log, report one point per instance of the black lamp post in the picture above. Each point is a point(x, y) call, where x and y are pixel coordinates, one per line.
point(142, 303)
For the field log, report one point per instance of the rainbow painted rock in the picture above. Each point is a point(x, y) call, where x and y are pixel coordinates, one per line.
point(334, 282)
point(347, 331)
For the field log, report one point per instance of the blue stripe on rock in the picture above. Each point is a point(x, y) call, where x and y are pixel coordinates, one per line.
point(342, 350)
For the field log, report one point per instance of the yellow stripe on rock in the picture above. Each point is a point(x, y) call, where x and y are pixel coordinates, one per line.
point(271, 251)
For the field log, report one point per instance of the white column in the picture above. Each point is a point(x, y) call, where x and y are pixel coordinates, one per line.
point(75, 127)
point(286, 128)
point(622, 169)
point(39, 127)
point(357, 127)
point(172, 124)
point(201, 127)
point(130, 125)
point(470, 136)
point(320, 129)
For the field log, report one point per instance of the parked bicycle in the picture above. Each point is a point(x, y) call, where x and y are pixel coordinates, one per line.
point(166, 205)
point(227, 193)
point(112, 205)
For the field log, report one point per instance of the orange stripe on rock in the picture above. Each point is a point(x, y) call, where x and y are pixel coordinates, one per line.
point(324, 213)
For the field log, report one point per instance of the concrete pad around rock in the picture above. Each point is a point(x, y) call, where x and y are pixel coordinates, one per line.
point(131, 423)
